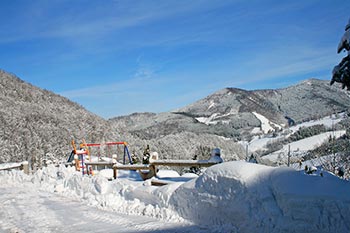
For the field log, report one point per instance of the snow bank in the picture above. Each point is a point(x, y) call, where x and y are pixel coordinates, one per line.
point(229, 197)
point(255, 198)
point(125, 195)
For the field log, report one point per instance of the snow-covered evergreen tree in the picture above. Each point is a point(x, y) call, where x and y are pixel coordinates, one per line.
point(341, 72)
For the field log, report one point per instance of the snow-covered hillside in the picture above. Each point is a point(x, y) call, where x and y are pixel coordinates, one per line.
point(302, 146)
point(229, 197)
point(279, 156)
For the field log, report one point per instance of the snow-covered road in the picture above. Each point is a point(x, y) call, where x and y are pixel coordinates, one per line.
point(24, 209)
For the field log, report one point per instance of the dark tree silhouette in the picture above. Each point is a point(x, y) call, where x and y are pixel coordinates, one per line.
point(341, 72)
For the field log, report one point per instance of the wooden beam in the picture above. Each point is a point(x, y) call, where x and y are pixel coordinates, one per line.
point(11, 167)
point(149, 170)
point(132, 167)
point(24, 166)
point(160, 182)
point(145, 175)
point(109, 164)
point(183, 163)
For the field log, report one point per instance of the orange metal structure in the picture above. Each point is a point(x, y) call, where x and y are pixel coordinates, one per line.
point(85, 150)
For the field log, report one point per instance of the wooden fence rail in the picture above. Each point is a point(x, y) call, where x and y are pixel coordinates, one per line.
point(24, 166)
point(149, 170)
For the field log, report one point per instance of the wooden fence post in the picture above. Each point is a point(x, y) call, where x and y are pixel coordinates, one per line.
point(25, 167)
point(115, 171)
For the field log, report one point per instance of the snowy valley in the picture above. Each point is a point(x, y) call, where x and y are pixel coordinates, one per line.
point(159, 116)
point(267, 127)
point(235, 196)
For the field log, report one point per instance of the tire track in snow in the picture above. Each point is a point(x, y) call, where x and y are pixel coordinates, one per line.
point(24, 212)
point(131, 222)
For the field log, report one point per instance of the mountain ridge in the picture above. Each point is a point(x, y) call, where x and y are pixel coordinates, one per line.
point(36, 122)
point(236, 114)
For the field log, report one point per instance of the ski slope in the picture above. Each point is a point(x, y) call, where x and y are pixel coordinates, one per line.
point(260, 142)
point(301, 146)
point(229, 197)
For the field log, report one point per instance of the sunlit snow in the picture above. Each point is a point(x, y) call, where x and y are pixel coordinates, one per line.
point(229, 197)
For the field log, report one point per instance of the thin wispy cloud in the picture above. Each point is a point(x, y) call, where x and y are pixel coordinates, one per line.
point(274, 70)
point(83, 21)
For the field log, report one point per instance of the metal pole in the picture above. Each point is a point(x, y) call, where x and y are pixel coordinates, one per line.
point(333, 144)
point(124, 155)
point(288, 155)
point(246, 153)
point(127, 152)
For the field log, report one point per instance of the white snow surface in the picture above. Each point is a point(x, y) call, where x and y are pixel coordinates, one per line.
point(303, 145)
point(258, 143)
point(212, 104)
point(345, 38)
point(228, 197)
point(208, 120)
point(314, 141)
point(256, 198)
point(214, 118)
point(326, 121)
point(266, 125)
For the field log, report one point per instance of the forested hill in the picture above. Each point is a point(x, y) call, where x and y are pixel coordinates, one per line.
point(35, 122)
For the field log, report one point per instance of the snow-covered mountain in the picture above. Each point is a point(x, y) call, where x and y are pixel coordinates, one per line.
point(235, 113)
point(35, 122)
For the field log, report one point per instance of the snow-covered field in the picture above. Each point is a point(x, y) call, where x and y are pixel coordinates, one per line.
point(301, 146)
point(229, 197)
point(258, 143)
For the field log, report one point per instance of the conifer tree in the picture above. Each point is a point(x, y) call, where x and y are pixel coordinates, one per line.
point(341, 72)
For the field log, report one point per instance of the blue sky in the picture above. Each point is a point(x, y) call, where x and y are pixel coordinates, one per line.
point(119, 57)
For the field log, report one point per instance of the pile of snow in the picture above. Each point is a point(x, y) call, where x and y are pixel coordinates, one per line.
point(255, 198)
point(229, 197)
